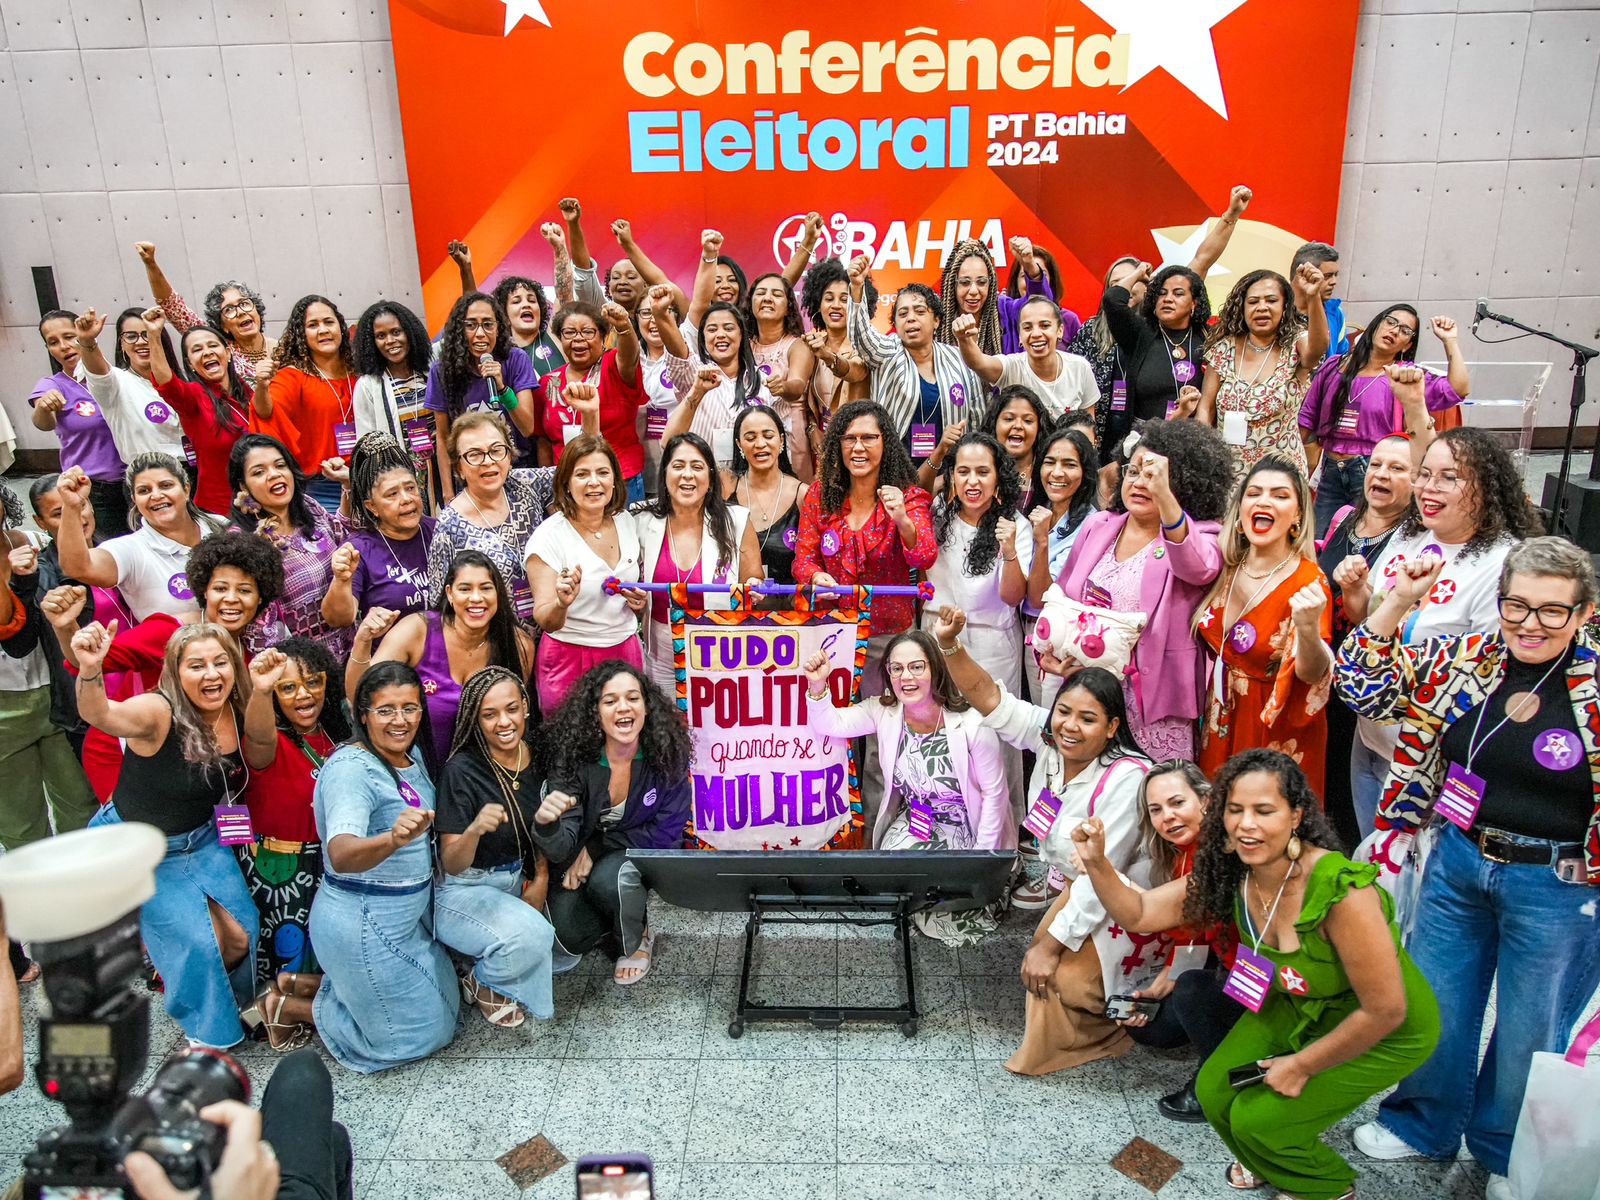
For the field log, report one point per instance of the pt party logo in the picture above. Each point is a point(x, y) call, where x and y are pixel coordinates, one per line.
point(1096, 128)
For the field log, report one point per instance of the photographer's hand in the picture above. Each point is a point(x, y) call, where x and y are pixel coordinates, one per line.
point(248, 1170)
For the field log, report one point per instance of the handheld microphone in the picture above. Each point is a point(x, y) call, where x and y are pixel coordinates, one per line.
point(486, 358)
point(1479, 314)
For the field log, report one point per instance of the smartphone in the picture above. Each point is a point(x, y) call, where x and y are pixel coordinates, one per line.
point(1248, 1075)
point(616, 1177)
point(1120, 1008)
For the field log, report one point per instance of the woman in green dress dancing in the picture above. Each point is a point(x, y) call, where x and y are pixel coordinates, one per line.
point(1337, 1011)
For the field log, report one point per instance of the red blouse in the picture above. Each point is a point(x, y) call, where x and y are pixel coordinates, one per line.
point(279, 796)
point(872, 554)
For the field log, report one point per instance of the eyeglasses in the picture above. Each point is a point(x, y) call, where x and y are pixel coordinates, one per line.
point(1549, 616)
point(389, 712)
point(570, 334)
point(914, 669)
point(312, 685)
point(237, 307)
point(1445, 481)
point(1394, 322)
point(861, 439)
point(486, 325)
point(134, 336)
point(475, 457)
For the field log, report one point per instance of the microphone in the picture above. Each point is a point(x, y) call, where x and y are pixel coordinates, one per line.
point(486, 358)
point(1479, 314)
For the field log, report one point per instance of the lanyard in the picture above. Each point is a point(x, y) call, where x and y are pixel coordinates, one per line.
point(1475, 743)
point(316, 759)
point(1255, 947)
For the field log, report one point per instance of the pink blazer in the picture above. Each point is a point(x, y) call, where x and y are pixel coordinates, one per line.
point(974, 754)
point(1166, 670)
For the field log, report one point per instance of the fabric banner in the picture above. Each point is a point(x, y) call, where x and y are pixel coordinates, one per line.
point(763, 779)
point(1099, 128)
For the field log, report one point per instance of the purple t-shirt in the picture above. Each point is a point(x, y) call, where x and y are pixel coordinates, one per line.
point(81, 427)
point(1373, 413)
point(392, 574)
point(518, 373)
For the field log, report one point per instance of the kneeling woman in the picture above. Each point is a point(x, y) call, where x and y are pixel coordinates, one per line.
point(487, 907)
point(945, 777)
point(620, 782)
point(1339, 1012)
point(182, 761)
point(389, 994)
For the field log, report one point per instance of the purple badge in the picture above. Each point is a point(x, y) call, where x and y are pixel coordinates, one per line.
point(1042, 814)
point(1250, 980)
point(1242, 636)
point(178, 585)
point(157, 413)
point(958, 394)
point(649, 798)
point(84, 408)
point(1557, 750)
point(791, 535)
point(1183, 371)
point(830, 543)
point(765, 369)
point(666, 382)
point(410, 795)
point(233, 825)
point(919, 821)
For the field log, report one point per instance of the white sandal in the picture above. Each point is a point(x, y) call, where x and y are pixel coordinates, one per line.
point(647, 945)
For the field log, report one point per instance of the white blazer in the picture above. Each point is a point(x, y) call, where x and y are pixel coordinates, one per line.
point(652, 532)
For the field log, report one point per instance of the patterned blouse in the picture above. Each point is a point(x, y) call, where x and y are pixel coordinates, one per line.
point(1270, 404)
point(307, 576)
point(872, 554)
point(530, 491)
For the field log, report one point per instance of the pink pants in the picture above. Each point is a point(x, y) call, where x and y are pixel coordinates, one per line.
point(561, 664)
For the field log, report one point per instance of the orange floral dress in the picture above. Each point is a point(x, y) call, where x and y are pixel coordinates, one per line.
point(1253, 696)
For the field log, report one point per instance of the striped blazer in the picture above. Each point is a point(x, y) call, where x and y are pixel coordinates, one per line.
point(897, 385)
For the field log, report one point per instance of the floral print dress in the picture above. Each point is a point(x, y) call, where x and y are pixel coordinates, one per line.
point(1271, 404)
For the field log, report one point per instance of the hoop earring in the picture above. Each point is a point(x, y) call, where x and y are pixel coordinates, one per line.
point(1228, 846)
point(1294, 849)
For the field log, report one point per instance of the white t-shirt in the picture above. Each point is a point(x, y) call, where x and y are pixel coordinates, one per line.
point(140, 420)
point(152, 572)
point(594, 619)
point(1463, 600)
point(978, 595)
point(1072, 389)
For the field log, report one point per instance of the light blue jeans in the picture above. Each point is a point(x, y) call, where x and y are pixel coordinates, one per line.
point(480, 913)
point(1477, 920)
point(1367, 773)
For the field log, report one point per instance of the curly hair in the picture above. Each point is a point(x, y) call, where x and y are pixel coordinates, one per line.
point(316, 659)
point(300, 514)
point(1199, 319)
point(1196, 456)
point(949, 308)
point(895, 468)
point(458, 366)
point(254, 556)
point(374, 456)
point(985, 547)
point(738, 467)
point(940, 682)
point(213, 304)
point(1491, 479)
point(1232, 321)
point(714, 511)
point(1218, 873)
point(197, 736)
point(293, 350)
point(369, 360)
point(821, 276)
point(1018, 391)
point(791, 312)
point(574, 738)
point(502, 297)
point(1088, 459)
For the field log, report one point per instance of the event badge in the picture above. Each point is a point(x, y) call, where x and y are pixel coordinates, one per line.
point(522, 602)
point(1349, 422)
point(410, 795)
point(189, 456)
point(919, 820)
point(1096, 596)
point(1188, 958)
point(958, 394)
point(1119, 395)
point(1042, 813)
point(1250, 980)
point(655, 424)
point(233, 825)
point(570, 432)
point(344, 440)
point(1235, 428)
point(1182, 371)
point(831, 544)
point(924, 438)
point(722, 446)
point(419, 437)
point(1461, 797)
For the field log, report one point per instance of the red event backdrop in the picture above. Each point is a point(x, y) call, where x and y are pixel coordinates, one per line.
point(1098, 128)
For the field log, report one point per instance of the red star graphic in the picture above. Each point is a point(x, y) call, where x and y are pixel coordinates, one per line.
point(794, 841)
point(1293, 981)
point(1443, 591)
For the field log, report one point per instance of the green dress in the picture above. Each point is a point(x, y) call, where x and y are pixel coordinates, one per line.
point(1278, 1139)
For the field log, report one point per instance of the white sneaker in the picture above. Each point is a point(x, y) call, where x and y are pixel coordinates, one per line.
point(1373, 1140)
point(1499, 1188)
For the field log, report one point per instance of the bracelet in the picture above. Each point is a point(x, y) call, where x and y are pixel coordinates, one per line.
point(91, 678)
point(360, 662)
point(1178, 524)
point(810, 695)
point(947, 651)
point(1013, 558)
point(707, 261)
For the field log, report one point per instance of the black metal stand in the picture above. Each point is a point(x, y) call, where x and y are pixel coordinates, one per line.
point(790, 909)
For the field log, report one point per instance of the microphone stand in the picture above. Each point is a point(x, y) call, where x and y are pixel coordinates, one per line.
point(1581, 355)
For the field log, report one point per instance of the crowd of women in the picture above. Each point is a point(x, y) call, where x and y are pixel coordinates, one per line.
point(375, 629)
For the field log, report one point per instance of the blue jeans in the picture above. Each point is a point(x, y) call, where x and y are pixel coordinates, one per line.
point(325, 492)
point(481, 914)
point(1367, 773)
point(1477, 919)
point(636, 488)
point(1341, 485)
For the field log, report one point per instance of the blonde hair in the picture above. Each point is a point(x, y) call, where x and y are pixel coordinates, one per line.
point(1236, 547)
point(197, 739)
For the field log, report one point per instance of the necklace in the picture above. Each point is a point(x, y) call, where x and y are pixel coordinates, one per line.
point(1250, 342)
point(1267, 575)
point(482, 516)
point(766, 514)
point(1261, 903)
point(511, 773)
point(597, 534)
point(1242, 634)
point(1179, 348)
point(406, 573)
point(1359, 544)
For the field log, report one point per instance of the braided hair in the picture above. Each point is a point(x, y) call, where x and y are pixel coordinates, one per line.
point(989, 338)
point(468, 734)
point(374, 456)
point(985, 547)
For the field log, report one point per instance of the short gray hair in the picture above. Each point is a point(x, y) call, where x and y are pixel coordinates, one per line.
point(1552, 557)
point(1314, 253)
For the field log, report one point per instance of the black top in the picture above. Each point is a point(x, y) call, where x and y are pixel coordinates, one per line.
point(168, 791)
point(1536, 776)
point(1147, 356)
point(654, 816)
point(1340, 545)
point(778, 542)
point(466, 784)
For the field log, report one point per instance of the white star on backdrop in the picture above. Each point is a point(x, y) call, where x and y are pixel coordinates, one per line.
point(1181, 254)
point(1174, 35)
point(517, 9)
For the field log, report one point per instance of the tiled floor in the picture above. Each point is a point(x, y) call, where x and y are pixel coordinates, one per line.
point(785, 1111)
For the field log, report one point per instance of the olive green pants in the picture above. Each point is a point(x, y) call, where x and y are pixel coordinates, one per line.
point(41, 780)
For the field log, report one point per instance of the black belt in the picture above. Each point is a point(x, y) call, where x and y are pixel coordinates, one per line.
point(1498, 846)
